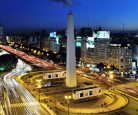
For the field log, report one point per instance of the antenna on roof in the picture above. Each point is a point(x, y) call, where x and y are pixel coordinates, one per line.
point(0, 22)
point(123, 28)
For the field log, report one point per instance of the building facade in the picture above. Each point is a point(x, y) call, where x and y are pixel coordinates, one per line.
point(85, 33)
point(1, 32)
point(100, 51)
point(120, 56)
point(34, 40)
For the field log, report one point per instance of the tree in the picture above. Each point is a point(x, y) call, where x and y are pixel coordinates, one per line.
point(100, 66)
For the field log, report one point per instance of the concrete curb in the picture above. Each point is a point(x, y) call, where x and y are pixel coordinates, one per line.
point(44, 105)
point(126, 94)
point(97, 110)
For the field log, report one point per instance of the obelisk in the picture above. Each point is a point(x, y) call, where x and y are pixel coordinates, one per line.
point(71, 58)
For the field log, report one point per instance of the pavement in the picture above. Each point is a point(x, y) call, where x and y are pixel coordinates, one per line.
point(129, 89)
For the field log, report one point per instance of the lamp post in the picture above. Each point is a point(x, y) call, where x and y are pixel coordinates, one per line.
point(111, 77)
point(39, 82)
point(39, 87)
point(68, 101)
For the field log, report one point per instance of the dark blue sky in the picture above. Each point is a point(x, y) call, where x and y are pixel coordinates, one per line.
point(26, 15)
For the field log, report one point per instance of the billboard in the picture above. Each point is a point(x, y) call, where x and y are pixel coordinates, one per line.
point(90, 42)
point(57, 40)
point(86, 93)
point(102, 34)
point(78, 44)
point(54, 75)
point(53, 34)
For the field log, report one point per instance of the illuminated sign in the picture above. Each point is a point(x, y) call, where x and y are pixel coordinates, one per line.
point(54, 75)
point(57, 40)
point(90, 42)
point(78, 44)
point(85, 93)
point(102, 34)
point(53, 34)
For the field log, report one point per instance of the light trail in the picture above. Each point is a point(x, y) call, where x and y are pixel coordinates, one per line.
point(36, 61)
point(16, 93)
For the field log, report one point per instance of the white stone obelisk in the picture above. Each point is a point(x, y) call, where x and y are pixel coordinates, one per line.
point(71, 58)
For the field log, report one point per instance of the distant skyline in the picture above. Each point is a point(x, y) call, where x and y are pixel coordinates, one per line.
point(34, 15)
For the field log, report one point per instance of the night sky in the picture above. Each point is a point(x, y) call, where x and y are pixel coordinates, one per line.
point(30, 15)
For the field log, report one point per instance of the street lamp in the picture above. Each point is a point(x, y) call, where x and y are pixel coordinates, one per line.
point(68, 98)
point(39, 87)
point(39, 82)
point(111, 77)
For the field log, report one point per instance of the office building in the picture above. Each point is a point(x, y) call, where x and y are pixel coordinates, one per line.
point(1, 32)
point(100, 52)
point(120, 55)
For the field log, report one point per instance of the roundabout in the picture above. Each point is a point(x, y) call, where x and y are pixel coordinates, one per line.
point(110, 101)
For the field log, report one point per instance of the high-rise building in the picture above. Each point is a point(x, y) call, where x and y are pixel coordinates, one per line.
point(100, 51)
point(120, 55)
point(135, 50)
point(1, 31)
point(94, 45)
point(86, 32)
point(34, 40)
point(71, 61)
point(53, 46)
point(44, 43)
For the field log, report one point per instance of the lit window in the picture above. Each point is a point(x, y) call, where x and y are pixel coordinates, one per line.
point(56, 75)
point(90, 92)
point(81, 94)
point(49, 76)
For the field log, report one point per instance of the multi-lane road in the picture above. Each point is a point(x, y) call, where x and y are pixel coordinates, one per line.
point(17, 100)
point(32, 59)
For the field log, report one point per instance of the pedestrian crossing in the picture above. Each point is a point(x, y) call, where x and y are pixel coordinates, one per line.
point(24, 104)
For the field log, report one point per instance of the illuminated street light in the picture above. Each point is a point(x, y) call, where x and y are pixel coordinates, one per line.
point(111, 76)
point(39, 82)
point(39, 88)
point(68, 98)
point(108, 67)
point(111, 72)
point(137, 80)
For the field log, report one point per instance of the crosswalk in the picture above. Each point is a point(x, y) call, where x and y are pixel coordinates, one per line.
point(24, 104)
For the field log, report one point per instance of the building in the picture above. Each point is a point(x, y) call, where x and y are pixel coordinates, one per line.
point(135, 50)
point(94, 48)
point(86, 32)
point(34, 40)
point(53, 46)
point(1, 32)
point(100, 52)
point(44, 43)
point(120, 54)
point(54, 42)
